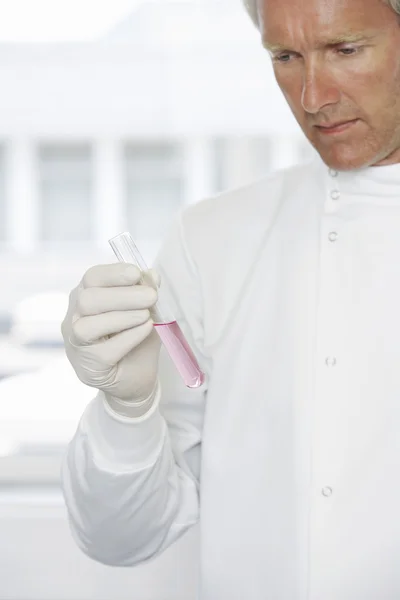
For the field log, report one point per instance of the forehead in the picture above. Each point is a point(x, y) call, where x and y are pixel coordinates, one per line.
point(287, 20)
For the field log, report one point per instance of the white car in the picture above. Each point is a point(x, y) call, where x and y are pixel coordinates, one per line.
point(35, 336)
point(41, 398)
point(39, 413)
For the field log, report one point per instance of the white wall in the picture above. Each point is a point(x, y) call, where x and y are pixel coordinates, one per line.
point(87, 90)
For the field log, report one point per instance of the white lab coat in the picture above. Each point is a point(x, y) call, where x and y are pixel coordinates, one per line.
point(290, 454)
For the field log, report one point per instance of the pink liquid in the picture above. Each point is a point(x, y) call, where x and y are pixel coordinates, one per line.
point(181, 353)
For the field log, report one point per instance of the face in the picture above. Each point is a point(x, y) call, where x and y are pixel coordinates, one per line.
point(338, 61)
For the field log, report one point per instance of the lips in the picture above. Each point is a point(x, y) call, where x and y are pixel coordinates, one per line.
point(340, 128)
point(334, 125)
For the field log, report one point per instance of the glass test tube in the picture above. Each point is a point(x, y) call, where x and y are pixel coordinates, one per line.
point(165, 323)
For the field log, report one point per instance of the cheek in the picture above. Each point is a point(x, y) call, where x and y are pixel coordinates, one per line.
point(376, 92)
point(373, 82)
point(291, 86)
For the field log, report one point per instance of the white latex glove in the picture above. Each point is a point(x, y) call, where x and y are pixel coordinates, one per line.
point(109, 335)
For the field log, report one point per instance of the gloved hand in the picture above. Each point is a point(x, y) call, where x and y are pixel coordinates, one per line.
point(108, 333)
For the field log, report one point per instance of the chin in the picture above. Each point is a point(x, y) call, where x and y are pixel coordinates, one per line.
point(345, 159)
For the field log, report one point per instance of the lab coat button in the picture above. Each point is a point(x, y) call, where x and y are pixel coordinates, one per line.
point(327, 491)
point(330, 361)
point(335, 194)
point(333, 173)
point(333, 236)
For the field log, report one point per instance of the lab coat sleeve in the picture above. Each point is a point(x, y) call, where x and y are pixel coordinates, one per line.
point(131, 486)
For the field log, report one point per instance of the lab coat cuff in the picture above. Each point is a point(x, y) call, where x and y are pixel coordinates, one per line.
point(121, 443)
point(131, 410)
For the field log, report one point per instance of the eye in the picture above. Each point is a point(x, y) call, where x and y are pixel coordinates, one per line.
point(348, 51)
point(282, 58)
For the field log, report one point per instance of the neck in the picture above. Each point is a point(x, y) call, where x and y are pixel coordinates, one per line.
point(391, 159)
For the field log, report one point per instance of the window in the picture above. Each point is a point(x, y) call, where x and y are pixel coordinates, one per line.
point(154, 188)
point(3, 205)
point(65, 193)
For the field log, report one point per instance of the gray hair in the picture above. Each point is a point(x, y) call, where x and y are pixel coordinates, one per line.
point(251, 7)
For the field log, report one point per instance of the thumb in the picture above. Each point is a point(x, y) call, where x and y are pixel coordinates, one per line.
point(152, 278)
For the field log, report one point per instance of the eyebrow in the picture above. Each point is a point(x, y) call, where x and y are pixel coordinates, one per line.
point(346, 38)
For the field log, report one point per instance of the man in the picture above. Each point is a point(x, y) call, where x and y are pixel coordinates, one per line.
point(288, 291)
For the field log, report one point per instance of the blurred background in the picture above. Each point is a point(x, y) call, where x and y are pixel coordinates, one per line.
point(114, 115)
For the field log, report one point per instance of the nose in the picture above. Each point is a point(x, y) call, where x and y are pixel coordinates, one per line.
point(319, 89)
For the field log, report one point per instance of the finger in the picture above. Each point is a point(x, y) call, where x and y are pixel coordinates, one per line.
point(152, 278)
point(114, 275)
point(88, 330)
point(94, 301)
point(70, 316)
point(113, 350)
